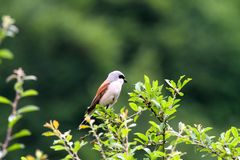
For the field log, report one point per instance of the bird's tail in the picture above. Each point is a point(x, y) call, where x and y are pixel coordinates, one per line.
point(90, 109)
point(88, 113)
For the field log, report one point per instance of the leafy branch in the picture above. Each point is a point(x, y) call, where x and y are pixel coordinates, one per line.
point(226, 147)
point(64, 141)
point(16, 114)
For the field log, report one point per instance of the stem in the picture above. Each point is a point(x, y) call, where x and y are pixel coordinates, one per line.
point(126, 140)
point(9, 129)
point(162, 119)
point(69, 148)
point(164, 138)
point(98, 141)
point(137, 113)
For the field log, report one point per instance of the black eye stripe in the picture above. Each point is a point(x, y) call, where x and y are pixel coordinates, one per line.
point(121, 76)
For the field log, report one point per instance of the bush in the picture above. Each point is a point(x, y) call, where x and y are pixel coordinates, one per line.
point(111, 131)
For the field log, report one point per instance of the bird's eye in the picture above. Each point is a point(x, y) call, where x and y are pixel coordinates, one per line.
point(121, 76)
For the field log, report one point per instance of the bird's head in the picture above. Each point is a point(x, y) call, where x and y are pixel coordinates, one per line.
point(116, 75)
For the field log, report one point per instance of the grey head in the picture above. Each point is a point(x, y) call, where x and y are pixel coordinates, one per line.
point(115, 75)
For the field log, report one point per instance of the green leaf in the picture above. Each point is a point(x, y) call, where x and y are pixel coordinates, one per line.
point(135, 118)
point(171, 83)
point(155, 125)
point(142, 136)
point(235, 142)
point(48, 134)
point(146, 79)
point(68, 157)
point(18, 87)
point(234, 132)
point(69, 137)
point(124, 132)
point(58, 147)
point(155, 84)
point(180, 94)
point(96, 147)
point(4, 100)
point(133, 106)
point(179, 83)
point(22, 133)
point(30, 92)
point(207, 129)
point(23, 158)
point(29, 108)
point(219, 158)
point(77, 146)
point(227, 135)
point(112, 128)
point(186, 81)
point(13, 120)
point(6, 54)
point(147, 83)
point(15, 146)
point(58, 141)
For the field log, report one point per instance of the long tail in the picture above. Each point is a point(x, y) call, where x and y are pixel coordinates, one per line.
point(89, 111)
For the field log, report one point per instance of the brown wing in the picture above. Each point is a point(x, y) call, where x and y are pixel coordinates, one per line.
point(100, 92)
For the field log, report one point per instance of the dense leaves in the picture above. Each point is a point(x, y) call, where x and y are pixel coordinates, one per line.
point(112, 136)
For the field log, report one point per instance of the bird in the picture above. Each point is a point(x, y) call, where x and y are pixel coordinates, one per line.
point(108, 92)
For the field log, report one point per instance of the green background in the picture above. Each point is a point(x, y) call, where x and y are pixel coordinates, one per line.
point(72, 45)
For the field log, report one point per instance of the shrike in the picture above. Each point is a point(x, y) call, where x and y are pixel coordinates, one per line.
point(109, 91)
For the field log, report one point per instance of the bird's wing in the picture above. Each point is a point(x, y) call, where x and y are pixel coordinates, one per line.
point(100, 92)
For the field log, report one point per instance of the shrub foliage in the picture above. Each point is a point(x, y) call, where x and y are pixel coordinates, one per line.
point(114, 136)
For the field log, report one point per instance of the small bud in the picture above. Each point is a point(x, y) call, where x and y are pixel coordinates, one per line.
point(82, 126)
point(38, 153)
point(88, 119)
point(92, 121)
point(181, 126)
point(55, 124)
point(47, 125)
point(7, 21)
point(29, 157)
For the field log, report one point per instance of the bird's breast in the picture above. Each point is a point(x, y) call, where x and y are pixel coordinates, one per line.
point(112, 93)
point(115, 87)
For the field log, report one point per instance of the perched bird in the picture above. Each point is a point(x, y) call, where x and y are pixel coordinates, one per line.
point(108, 93)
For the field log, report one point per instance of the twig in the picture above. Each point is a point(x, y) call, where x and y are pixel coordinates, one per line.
point(98, 141)
point(68, 147)
point(9, 129)
point(126, 140)
point(164, 138)
point(137, 113)
point(198, 143)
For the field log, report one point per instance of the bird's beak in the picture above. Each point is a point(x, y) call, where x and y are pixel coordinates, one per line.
point(125, 81)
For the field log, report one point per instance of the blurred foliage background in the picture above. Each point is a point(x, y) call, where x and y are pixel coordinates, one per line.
point(72, 45)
